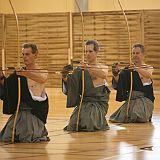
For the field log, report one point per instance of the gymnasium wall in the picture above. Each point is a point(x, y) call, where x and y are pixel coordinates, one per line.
point(50, 31)
point(49, 6)
point(47, 23)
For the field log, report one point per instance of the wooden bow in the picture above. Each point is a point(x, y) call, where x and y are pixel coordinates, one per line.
point(83, 83)
point(18, 65)
point(130, 57)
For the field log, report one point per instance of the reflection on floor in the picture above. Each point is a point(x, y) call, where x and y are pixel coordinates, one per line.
point(121, 142)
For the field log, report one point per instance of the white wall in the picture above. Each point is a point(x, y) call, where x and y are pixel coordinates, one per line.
point(37, 6)
point(103, 5)
point(44, 6)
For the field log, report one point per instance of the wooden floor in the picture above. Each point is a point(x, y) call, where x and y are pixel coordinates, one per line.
point(121, 142)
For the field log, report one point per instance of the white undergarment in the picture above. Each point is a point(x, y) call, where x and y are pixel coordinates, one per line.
point(41, 98)
point(64, 90)
point(146, 83)
point(104, 84)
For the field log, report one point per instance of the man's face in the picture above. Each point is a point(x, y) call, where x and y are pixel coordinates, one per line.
point(28, 57)
point(137, 55)
point(91, 55)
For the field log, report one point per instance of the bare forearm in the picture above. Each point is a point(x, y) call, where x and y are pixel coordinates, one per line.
point(37, 77)
point(98, 73)
point(144, 73)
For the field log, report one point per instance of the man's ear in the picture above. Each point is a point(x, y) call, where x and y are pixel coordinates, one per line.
point(36, 55)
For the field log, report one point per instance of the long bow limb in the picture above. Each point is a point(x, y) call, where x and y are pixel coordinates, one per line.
point(18, 64)
point(130, 57)
point(82, 95)
point(3, 42)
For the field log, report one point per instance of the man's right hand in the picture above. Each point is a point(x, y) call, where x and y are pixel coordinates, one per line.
point(2, 77)
point(66, 69)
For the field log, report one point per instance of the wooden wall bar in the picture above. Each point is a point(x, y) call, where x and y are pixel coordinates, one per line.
point(152, 42)
point(111, 32)
point(1, 37)
point(50, 31)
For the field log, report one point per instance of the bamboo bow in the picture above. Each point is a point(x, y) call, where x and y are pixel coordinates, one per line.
point(18, 65)
point(130, 56)
point(83, 83)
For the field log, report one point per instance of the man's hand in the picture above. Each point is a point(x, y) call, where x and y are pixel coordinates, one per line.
point(84, 65)
point(1, 74)
point(2, 77)
point(66, 69)
point(131, 67)
point(20, 71)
